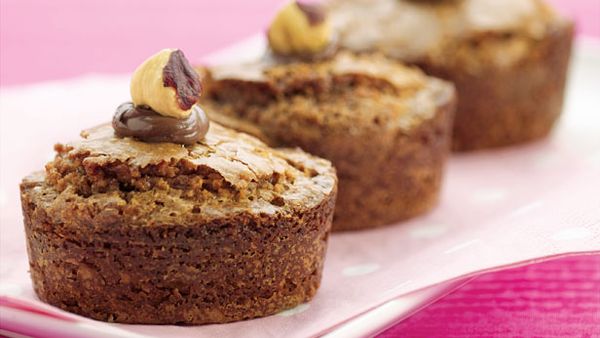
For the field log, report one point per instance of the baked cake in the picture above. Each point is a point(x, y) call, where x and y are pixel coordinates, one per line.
point(508, 59)
point(176, 223)
point(385, 126)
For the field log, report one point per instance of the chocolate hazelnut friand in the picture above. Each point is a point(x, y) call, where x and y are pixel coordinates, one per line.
point(159, 219)
point(386, 127)
point(508, 59)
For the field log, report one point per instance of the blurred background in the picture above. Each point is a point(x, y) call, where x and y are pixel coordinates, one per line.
point(47, 40)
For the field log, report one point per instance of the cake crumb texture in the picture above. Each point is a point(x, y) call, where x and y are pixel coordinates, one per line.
point(386, 127)
point(228, 229)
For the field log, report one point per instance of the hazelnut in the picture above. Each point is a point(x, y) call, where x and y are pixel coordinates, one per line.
point(166, 83)
point(299, 28)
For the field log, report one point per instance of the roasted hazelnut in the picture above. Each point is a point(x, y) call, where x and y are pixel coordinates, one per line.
point(300, 28)
point(166, 83)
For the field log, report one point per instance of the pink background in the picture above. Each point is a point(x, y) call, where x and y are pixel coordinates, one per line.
point(57, 39)
point(47, 40)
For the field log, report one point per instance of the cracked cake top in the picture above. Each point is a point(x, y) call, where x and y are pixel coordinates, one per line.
point(346, 91)
point(412, 30)
point(225, 174)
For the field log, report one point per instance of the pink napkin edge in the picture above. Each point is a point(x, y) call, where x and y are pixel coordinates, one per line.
point(39, 308)
point(460, 280)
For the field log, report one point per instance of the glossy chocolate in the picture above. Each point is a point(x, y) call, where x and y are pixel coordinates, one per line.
point(147, 125)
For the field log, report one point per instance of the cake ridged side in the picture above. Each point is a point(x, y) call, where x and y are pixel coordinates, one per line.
point(388, 140)
point(239, 267)
point(506, 105)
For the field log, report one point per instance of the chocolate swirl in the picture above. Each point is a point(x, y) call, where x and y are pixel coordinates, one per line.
point(145, 124)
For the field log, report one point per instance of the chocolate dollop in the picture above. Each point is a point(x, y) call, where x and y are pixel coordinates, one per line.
point(180, 75)
point(145, 124)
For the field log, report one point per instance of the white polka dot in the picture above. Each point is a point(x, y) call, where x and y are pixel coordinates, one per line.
point(546, 160)
point(294, 311)
point(428, 231)
point(5, 268)
point(398, 288)
point(489, 196)
point(594, 160)
point(461, 246)
point(359, 270)
point(10, 289)
point(571, 234)
point(3, 198)
point(525, 209)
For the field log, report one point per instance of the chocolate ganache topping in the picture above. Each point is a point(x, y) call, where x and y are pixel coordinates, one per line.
point(165, 90)
point(145, 124)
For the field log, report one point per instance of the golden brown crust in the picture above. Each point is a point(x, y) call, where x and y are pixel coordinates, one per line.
point(122, 231)
point(508, 60)
point(385, 127)
point(505, 104)
point(393, 176)
point(244, 266)
point(413, 30)
point(226, 172)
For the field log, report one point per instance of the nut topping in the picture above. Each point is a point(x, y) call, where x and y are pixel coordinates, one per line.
point(167, 84)
point(300, 29)
point(164, 90)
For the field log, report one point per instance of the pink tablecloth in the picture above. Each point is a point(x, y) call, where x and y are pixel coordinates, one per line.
point(43, 40)
point(559, 298)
